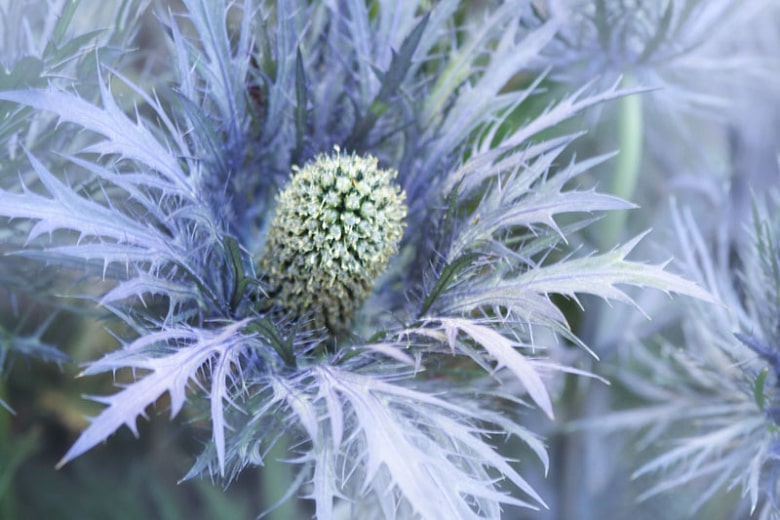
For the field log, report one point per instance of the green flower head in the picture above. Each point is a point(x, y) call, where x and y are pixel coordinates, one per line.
point(336, 226)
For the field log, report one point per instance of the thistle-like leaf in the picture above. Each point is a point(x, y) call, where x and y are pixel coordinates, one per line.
point(599, 275)
point(174, 359)
point(418, 449)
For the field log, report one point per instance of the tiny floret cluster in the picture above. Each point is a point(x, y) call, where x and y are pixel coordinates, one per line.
point(336, 226)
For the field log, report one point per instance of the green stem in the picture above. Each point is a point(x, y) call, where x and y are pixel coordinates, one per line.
point(6, 495)
point(276, 480)
point(628, 163)
point(14, 450)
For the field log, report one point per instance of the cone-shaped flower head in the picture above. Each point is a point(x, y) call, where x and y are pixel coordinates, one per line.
point(336, 226)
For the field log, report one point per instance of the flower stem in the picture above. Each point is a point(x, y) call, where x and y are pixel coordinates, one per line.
point(626, 174)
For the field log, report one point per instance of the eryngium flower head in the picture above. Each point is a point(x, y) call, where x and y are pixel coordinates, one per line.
point(165, 209)
point(336, 226)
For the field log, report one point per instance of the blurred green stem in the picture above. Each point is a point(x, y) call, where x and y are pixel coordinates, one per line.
point(14, 450)
point(628, 163)
point(276, 481)
point(578, 448)
point(6, 493)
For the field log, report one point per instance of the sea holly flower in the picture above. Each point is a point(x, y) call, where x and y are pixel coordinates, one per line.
point(242, 246)
point(335, 228)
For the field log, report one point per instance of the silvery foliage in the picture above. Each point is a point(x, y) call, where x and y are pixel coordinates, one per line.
point(712, 408)
point(709, 126)
point(166, 204)
point(676, 47)
point(711, 68)
point(42, 43)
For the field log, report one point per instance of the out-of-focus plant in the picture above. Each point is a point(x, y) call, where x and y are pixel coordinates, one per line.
point(711, 418)
point(706, 127)
point(701, 60)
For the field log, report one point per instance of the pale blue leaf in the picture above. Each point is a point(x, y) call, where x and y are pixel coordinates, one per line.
point(173, 358)
point(417, 452)
point(124, 137)
point(599, 274)
point(504, 352)
point(144, 283)
point(67, 210)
